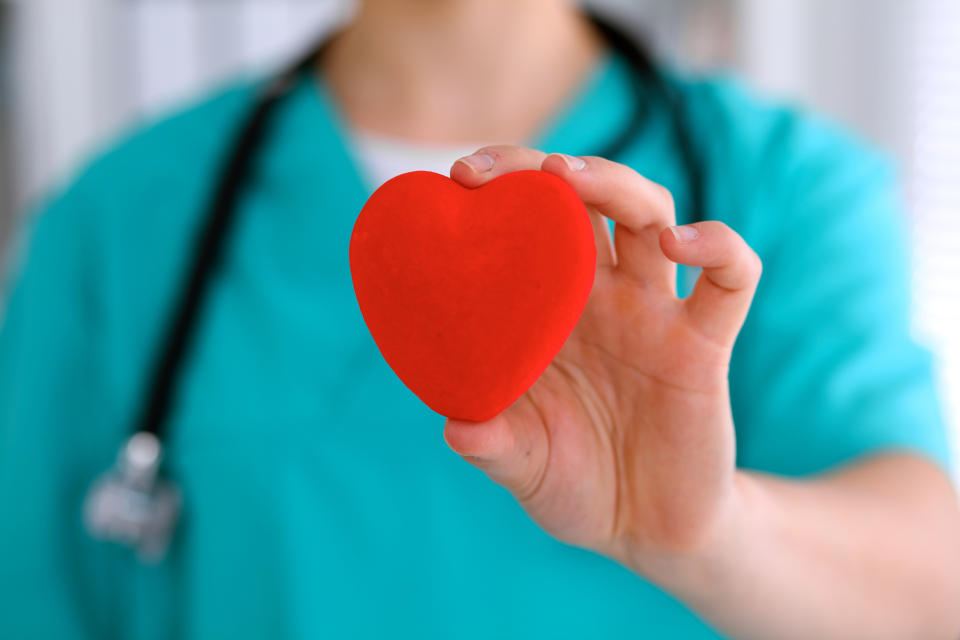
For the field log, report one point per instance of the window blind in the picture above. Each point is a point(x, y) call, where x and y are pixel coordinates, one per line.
point(935, 192)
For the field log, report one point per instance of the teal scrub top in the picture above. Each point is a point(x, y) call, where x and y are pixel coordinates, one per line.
point(319, 497)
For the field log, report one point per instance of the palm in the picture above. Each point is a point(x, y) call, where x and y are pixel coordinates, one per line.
point(619, 413)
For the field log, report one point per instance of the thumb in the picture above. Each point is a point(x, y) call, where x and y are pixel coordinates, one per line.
point(511, 447)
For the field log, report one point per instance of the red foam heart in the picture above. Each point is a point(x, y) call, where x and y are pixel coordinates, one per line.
point(470, 293)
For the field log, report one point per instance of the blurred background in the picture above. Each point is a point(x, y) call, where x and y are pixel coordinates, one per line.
point(75, 73)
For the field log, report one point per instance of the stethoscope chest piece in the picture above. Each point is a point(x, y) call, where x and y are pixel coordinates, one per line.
point(130, 504)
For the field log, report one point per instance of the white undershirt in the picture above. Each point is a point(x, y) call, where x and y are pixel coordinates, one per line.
point(382, 157)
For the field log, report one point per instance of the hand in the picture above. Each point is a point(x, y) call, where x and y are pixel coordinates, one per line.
point(625, 445)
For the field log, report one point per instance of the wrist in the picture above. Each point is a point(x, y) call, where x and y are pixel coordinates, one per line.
point(703, 561)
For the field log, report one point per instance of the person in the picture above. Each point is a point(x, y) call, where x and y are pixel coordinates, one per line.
point(757, 457)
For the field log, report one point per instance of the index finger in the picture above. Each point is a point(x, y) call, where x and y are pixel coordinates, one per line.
point(615, 190)
point(640, 207)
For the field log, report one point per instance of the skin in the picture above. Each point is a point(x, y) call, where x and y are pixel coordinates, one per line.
point(625, 445)
point(469, 70)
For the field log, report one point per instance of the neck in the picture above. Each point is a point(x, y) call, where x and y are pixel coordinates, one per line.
point(459, 71)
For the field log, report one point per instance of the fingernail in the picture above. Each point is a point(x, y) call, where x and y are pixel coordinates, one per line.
point(479, 162)
point(685, 233)
point(574, 163)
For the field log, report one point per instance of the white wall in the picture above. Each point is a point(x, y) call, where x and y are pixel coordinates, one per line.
point(86, 68)
point(935, 188)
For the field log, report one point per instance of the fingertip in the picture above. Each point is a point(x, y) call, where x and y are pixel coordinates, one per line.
point(476, 168)
point(553, 164)
point(563, 165)
point(462, 173)
point(478, 440)
point(669, 245)
point(685, 233)
point(667, 239)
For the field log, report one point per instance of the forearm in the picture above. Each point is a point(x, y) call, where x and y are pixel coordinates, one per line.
point(872, 552)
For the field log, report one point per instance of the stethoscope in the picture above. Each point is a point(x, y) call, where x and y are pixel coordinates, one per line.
point(132, 503)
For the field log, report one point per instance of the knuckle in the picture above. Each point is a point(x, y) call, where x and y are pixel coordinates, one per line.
point(495, 150)
point(720, 228)
point(613, 175)
point(664, 197)
point(631, 183)
point(598, 162)
point(510, 149)
point(741, 253)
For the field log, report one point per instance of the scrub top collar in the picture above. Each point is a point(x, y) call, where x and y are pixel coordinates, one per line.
point(604, 99)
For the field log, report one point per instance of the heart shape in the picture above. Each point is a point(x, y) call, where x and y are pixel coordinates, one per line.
point(471, 293)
